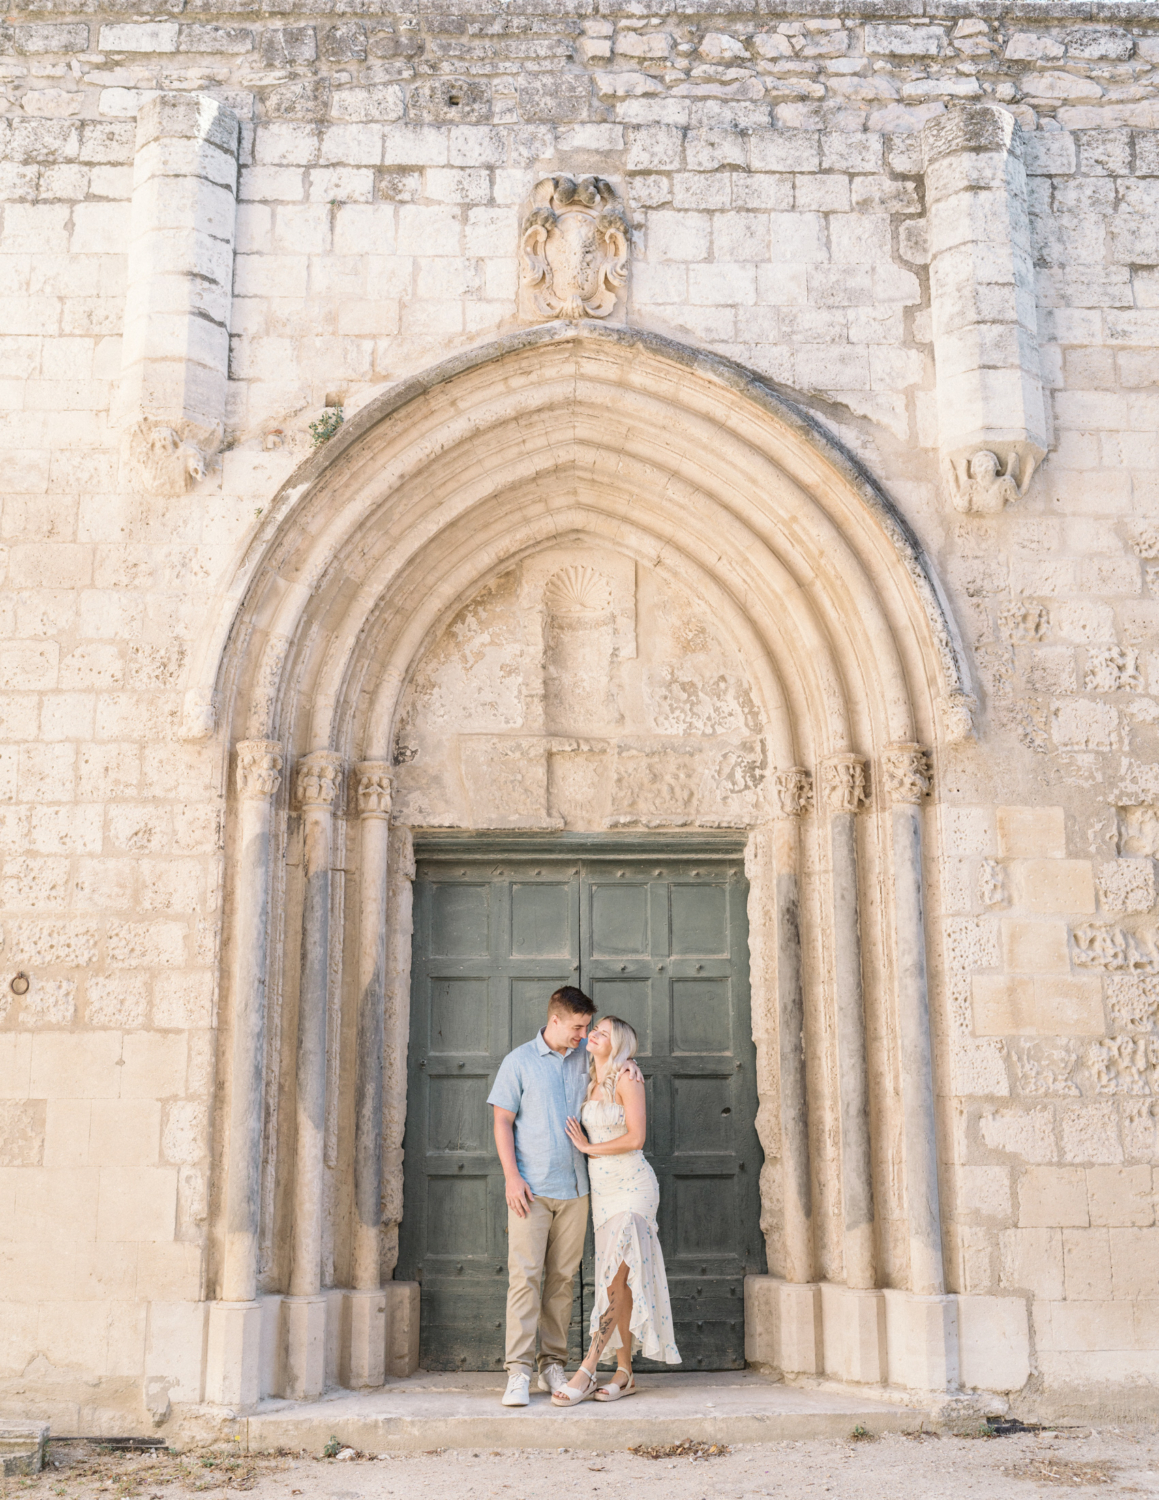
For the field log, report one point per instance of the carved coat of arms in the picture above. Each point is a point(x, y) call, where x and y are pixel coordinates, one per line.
point(574, 247)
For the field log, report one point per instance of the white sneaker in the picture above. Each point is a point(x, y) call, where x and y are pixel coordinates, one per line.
point(516, 1392)
point(551, 1378)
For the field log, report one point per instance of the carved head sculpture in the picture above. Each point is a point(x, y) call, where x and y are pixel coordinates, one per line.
point(161, 462)
point(574, 246)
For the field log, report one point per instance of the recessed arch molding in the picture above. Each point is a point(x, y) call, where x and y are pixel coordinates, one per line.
point(688, 467)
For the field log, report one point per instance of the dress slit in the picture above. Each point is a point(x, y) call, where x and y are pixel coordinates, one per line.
point(625, 1198)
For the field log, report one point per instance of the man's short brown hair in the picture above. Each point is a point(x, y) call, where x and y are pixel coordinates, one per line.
point(571, 1001)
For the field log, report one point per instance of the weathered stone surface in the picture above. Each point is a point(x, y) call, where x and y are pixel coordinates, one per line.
point(593, 582)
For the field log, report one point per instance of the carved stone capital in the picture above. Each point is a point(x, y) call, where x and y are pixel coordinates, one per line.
point(259, 768)
point(843, 783)
point(907, 773)
point(574, 248)
point(794, 791)
point(319, 775)
point(374, 788)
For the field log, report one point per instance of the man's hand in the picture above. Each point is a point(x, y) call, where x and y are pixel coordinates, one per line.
point(519, 1196)
point(632, 1071)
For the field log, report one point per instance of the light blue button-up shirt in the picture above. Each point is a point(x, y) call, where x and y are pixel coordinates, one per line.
point(542, 1088)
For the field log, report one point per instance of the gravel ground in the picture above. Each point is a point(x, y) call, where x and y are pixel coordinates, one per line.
point(1122, 1461)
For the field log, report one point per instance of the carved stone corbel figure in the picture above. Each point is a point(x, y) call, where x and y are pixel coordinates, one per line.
point(161, 460)
point(980, 484)
point(574, 248)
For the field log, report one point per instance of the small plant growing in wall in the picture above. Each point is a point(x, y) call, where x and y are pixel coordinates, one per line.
point(326, 425)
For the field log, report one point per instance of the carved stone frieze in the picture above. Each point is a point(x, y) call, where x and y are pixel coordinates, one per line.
point(794, 791)
point(1145, 541)
point(1044, 1066)
point(1116, 948)
point(1133, 1003)
point(1113, 670)
point(844, 784)
point(1124, 1065)
point(319, 776)
point(574, 248)
point(1022, 622)
point(374, 789)
point(259, 768)
point(982, 483)
point(908, 775)
point(1139, 830)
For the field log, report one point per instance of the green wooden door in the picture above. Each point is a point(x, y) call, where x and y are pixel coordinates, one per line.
point(660, 941)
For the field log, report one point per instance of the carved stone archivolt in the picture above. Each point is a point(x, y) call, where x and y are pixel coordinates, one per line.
point(457, 690)
point(259, 768)
point(574, 248)
point(844, 783)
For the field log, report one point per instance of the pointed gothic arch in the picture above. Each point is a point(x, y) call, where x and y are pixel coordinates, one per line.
point(683, 462)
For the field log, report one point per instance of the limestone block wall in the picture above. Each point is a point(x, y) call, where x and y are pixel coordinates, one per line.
point(771, 166)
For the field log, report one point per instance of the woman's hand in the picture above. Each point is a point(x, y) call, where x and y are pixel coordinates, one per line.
point(576, 1136)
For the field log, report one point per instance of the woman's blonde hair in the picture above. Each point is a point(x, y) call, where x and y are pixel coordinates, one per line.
point(624, 1044)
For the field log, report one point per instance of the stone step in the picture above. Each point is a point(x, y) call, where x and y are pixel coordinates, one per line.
point(463, 1411)
point(22, 1446)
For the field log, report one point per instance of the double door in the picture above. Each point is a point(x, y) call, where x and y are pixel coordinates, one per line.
point(659, 940)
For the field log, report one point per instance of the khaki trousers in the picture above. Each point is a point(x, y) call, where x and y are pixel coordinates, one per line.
point(543, 1254)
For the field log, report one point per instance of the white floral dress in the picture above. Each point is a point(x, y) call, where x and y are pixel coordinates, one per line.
point(625, 1197)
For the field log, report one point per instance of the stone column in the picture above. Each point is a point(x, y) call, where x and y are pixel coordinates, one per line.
point(799, 1346)
point(175, 350)
point(783, 1317)
point(991, 414)
point(235, 1321)
point(853, 1314)
point(845, 796)
point(907, 781)
point(794, 791)
point(364, 1317)
point(304, 1310)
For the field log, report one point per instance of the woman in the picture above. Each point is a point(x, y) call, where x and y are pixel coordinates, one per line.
point(632, 1308)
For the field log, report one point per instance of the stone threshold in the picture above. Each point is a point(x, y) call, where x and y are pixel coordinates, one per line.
point(425, 1412)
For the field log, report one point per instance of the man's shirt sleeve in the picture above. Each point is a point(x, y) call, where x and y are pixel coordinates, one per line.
point(507, 1090)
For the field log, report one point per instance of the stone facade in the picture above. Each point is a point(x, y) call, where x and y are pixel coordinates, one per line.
point(750, 423)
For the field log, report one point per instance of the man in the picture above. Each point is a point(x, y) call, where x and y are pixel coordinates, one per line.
point(536, 1089)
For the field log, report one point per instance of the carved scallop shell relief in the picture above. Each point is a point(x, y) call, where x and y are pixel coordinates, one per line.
point(577, 589)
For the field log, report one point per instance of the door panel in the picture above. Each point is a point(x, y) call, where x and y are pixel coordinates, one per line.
point(661, 942)
point(684, 988)
point(459, 919)
point(541, 919)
